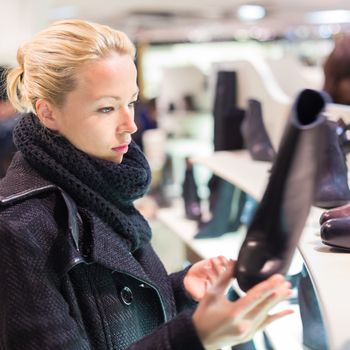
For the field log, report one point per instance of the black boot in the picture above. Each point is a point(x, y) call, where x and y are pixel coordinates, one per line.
point(343, 133)
point(254, 133)
point(190, 194)
point(227, 116)
point(332, 188)
point(162, 192)
point(336, 233)
point(280, 217)
point(335, 213)
point(227, 212)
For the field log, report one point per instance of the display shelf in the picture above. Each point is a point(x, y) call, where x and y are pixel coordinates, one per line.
point(328, 268)
point(238, 169)
point(229, 245)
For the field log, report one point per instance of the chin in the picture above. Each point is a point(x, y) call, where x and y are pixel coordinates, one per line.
point(116, 160)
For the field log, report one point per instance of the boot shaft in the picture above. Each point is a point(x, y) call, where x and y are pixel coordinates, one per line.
point(254, 133)
point(332, 188)
point(281, 215)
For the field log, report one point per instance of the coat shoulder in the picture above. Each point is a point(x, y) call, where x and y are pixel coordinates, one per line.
point(28, 202)
point(32, 220)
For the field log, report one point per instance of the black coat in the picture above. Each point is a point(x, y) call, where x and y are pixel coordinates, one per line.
point(55, 295)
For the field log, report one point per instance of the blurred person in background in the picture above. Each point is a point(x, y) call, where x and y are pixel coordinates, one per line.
point(145, 119)
point(7, 122)
point(337, 70)
point(77, 267)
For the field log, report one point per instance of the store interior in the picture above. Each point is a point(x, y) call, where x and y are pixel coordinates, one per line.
point(193, 58)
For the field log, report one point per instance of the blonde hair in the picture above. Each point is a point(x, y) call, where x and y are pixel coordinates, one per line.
point(49, 63)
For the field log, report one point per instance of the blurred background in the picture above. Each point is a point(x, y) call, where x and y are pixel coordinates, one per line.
point(302, 28)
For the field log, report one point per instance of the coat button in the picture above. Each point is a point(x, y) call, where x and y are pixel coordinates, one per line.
point(126, 295)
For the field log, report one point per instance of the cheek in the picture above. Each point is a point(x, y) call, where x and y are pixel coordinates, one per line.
point(96, 133)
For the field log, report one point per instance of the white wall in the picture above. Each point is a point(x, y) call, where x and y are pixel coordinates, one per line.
point(19, 21)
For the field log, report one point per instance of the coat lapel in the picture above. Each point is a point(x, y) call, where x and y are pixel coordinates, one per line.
point(107, 247)
point(111, 251)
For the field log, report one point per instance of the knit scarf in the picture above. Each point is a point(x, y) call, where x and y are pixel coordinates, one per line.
point(106, 188)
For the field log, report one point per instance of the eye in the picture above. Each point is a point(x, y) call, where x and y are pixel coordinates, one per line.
point(132, 104)
point(106, 110)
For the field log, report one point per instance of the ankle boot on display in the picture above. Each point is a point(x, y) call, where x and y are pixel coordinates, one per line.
point(339, 212)
point(332, 188)
point(343, 133)
point(254, 133)
point(336, 233)
point(237, 207)
point(227, 212)
point(276, 227)
point(190, 194)
point(163, 193)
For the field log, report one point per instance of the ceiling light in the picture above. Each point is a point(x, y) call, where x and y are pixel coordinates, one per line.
point(251, 12)
point(328, 17)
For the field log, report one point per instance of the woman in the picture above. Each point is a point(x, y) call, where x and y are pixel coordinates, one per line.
point(77, 268)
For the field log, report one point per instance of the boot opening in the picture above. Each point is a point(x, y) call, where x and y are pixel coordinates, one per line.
point(309, 105)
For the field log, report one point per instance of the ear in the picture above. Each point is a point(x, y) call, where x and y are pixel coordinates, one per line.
point(47, 114)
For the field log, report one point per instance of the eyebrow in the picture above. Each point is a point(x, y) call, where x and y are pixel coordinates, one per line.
point(117, 97)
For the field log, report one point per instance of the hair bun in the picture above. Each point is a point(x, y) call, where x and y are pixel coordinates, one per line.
point(20, 57)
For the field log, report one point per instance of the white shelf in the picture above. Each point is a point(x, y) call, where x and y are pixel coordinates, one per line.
point(238, 168)
point(329, 270)
point(229, 245)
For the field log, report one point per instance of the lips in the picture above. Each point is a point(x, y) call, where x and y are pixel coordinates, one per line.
point(121, 149)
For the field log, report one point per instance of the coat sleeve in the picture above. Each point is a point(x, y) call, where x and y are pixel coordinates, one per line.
point(182, 299)
point(33, 313)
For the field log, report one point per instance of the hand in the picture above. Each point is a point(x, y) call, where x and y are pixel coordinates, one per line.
point(220, 322)
point(204, 274)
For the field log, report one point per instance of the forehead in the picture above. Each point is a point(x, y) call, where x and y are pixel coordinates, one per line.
point(114, 74)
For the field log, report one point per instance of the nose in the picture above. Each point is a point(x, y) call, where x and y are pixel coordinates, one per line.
point(126, 123)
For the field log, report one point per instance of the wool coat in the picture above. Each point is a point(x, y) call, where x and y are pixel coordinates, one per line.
point(68, 281)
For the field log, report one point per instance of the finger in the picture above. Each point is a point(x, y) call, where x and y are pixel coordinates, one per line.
point(219, 264)
point(207, 285)
point(259, 293)
point(253, 328)
point(221, 283)
point(261, 310)
point(223, 260)
point(270, 318)
point(211, 271)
